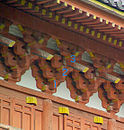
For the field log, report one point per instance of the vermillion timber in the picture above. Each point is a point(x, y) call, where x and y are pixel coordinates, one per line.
point(57, 31)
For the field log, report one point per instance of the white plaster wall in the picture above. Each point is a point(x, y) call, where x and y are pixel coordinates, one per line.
point(28, 81)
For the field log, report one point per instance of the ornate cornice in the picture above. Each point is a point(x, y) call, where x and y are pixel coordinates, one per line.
point(53, 61)
point(68, 15)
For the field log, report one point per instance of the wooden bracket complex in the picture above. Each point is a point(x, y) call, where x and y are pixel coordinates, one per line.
point(56, 54)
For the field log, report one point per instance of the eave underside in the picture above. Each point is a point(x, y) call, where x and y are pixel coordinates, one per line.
point(103, 63)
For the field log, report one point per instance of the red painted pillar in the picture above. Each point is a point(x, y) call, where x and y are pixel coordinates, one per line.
point(47, 114)
point(112, 124)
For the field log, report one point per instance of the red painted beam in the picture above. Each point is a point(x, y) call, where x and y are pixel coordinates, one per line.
point(61, 33)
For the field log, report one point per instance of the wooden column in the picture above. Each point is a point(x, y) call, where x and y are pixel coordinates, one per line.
point(47, 114)
point(111, 124)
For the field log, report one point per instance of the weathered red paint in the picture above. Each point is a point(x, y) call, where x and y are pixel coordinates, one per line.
point(45, 116)
point(57, 31)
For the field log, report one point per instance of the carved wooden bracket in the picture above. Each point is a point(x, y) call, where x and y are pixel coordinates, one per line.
point(52, 67)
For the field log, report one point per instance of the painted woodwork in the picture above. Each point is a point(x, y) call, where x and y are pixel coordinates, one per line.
point(49, 66)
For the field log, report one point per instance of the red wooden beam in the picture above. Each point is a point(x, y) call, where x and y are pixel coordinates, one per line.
point(61, 33)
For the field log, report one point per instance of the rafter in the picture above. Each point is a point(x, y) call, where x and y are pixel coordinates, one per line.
point(61, 33)
point(89, 63)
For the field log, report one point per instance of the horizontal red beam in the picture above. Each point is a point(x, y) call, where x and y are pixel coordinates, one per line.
point(61, 33)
